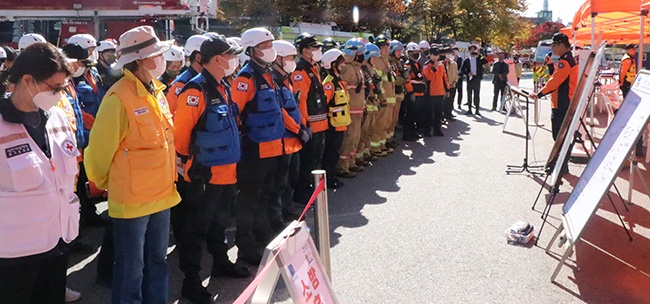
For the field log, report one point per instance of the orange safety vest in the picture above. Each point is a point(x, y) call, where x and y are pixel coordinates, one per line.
point(144, 166)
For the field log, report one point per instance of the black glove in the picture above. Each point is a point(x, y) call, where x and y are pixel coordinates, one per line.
point(304, 134)
point(359, 87)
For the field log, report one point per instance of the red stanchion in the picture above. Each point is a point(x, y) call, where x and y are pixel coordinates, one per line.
point(250, 289)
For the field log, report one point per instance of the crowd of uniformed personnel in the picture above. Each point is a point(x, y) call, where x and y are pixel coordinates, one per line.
point(226, 129)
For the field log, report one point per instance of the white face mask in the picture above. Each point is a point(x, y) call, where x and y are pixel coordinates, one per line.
point(268, 55)
point(80, 71)
point(161, 67)
point(289, 66)
point(317, 55)
point(232, 66)
point(45, 100)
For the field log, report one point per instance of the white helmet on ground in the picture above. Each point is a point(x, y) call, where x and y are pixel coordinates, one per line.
point(106, 46)
point(329, 57)
point(412, 47)
point(255, 36)
point(424, 44)
point(175, 53)
point(284, 48)
point(193, 44)
point(29, 39)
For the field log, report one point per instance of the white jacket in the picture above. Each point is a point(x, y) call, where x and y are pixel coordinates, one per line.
point(38, 205)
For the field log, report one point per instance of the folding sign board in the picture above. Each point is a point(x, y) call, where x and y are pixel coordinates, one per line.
point(299, 265)
point(607, 161)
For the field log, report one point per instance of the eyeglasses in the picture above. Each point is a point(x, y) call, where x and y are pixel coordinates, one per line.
point(55, 89)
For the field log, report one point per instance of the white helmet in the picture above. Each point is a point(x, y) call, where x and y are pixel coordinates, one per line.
point(29, 39)
point(424, 44)
point(106, 46)
point(85, 40)
point(236, 39)
point(233, 42)
point(255, 36)
point(412, 46)
point(329, 57)
point(284, 48)
point(193, 44)
point(175, 53)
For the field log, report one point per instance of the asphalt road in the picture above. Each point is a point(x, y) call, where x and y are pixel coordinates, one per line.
point(426, 225)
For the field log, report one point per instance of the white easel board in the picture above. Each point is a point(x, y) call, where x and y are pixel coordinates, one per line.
point(607, 161)
point(587, 87)
point(299, 265)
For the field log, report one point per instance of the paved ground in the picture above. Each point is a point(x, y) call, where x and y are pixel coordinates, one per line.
point(426, 225)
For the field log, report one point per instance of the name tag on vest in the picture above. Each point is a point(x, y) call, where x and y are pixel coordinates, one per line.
point(17, 150)
point(141, 111)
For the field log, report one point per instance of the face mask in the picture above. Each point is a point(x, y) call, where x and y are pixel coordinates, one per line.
point(474, 54)
point(94, 56)
point(80, 71)
point(359, 58)
point(317, 55)
point(45, 100)
point(109, 58)
point(415, 56)
point(161, 67)
point(232, 66)
point(173, 73)
point(289, 66)
point(268, 55)
point(442, 57)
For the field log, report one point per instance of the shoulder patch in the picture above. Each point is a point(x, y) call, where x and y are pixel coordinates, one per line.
point(328, 86)
point(560, 65)
point(192, 101)
point(178, 90)
point(297, 77)
point(242, 86)
point(69, 147)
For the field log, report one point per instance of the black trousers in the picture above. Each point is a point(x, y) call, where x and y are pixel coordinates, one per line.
point(459, 90)
point(411, 106)
point(333, 141)
point(425, 115)
point(39, 279)
point(625, 88)
point(208, 216)
point(311, 158)
point(499, 89)
point(280, 198)
point(106, 256)
point(449, 103)
point(474, 92)
point(557, 117)
point(255, 177)
point(438, 112)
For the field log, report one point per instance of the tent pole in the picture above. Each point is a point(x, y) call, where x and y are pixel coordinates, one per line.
point(639, 62)
point(593, 30)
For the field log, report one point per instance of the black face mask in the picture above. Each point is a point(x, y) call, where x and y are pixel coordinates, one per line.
point(359, 58)
point(442, 57)
point(474, 53)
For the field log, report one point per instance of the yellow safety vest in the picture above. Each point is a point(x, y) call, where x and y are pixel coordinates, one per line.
point(631, 72)
point(144, 166)
point(339, 110)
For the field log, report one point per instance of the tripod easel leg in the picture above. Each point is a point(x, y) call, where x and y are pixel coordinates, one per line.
point(619, 216)
point(547, 211)
point(540, 192)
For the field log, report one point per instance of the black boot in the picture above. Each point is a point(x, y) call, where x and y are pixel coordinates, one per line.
point(194, 291)
point(229, 269)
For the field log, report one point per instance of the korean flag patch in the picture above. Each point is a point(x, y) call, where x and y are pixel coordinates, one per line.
point(177, 91)
point(297, 77)
point(242, 86)
point(192, 100)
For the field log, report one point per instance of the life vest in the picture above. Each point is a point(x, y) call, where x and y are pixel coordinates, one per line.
point(37, 201)
point(184, 77)
point(631, 72)
point(262, 116)
point(144, 166)
point(289, 104)
point(88, 91)
point(339, 109)
point(316, 100)
point(216, 137)
point(417, 81)
point(78, 128)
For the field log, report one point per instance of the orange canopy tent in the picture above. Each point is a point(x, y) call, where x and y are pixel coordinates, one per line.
point(618, 22)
